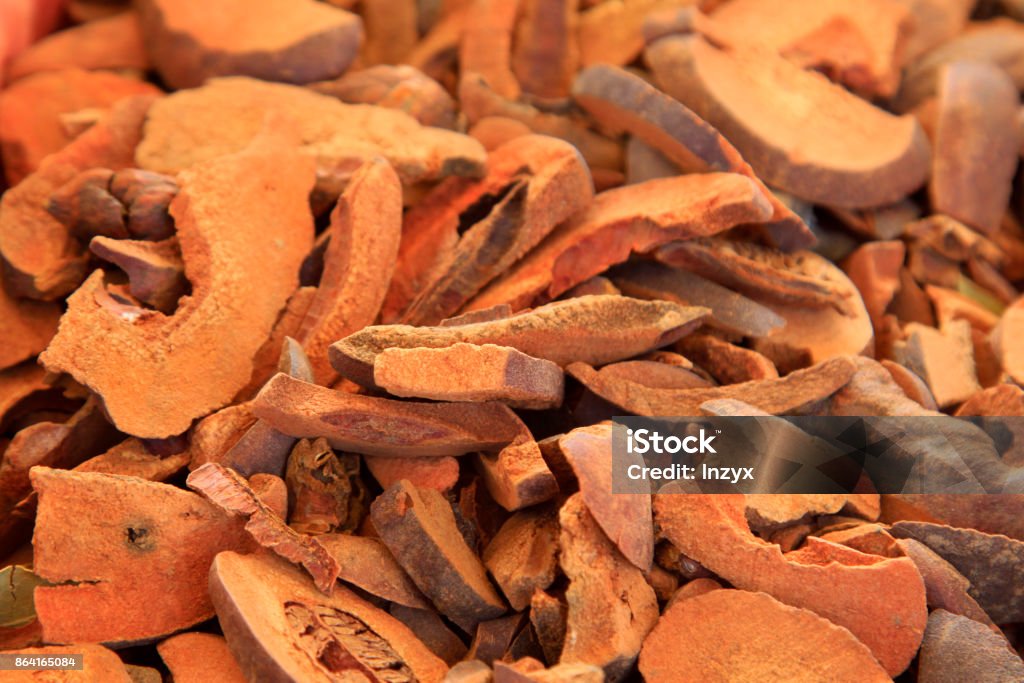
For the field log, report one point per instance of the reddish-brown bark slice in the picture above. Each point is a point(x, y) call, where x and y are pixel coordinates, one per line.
point(732, 635)
point(612, 32)
point(196, 657)
point(156, 274)
point(956, 648)
point(624, 220)
point(440, 473)
point(41, 258)
point(545, 54)
point(548, 616)
point(396, 87)
point(517, 476)
point(378, 426)
point(611, 606)
point(29, 111)
point(110, 43)
point(99, 665)
point(226, 489)
point(25, 326)
point(880, 600)
point(912, 385)
point(274, 40)
point(1006, 338)
point(727, 363)
point(974, 159)
point(432, 632)
point(767, 511)
point(116, 542)
point(326, 492)
point(872, 391)
point(267, 361)
point(186, 129)
point(419, 528)
point(832, 149)
point(131, 458)
point(875, 269)
point(237, 215)
point(523, 556)
point(366, 562)
point(279, 627)
point(798, 392)
point(944, 359)
point(366, 226)
point(391, 30)
point(934, 22)
point(466, 372)
point(592, 329)
point(486, 46)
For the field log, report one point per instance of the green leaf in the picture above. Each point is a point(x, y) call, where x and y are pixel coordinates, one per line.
point(17, 607)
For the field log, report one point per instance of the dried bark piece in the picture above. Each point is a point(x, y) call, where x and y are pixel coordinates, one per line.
point(833, 149)
point(646, 162)
point(196, 657)
point(545, 53)
point(391, 30)
point(492, 639)
point(274, 40)
point(267, 360)
point(523, 555)
point(990, 562)
point(156, 274)
point(517, 476)
point(432, 632)
point(419, 528)
point(440, 473)
point(611, 606)
point(30, 107)
point(613, 32)
point(486, 44)
point(875, 269)
point(398, 86)
point(1000, 400)
point(226, 489)
point(279, 627)
point(625, 519)
point(326, 492)
point(497, 312)
point(956, 648)
point(943, 359)
point(951, 305)
point(735, 635)
point(113, 543)
point(548, 617)
point(41, 258)
point(366, 562)
point(731, 312)
point(798, 392)
point(727, 363)
point(25, 326)
point(933, 22)
point(974, 159)
point(1005, 341)
point(621, 100)
point(594, 329)
point(528, 670)
point(860, 46)
point(912, 385)
point(237, 215)
point(110, 43)
point(594, 286)
point(466, 372)
point(19, 385)
point(768, 511)
point(99, 665)
point(880, 600)
point(377, 426)
point(366, 226)
point(494, 131)
point(657, 374)
point(185, 130)
point(627, 219)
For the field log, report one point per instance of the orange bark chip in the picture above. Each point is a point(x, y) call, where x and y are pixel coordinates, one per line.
point(198, 657)
point(236, 216)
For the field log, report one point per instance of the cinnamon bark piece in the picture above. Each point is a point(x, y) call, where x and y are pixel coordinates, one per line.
point(29, 111)
point(545, 54)
point(770, 511)
point(196, 657)
point(492, 639)
point(646, 162)
point(912, 385)
point(1006, 338)
point(99, 665)
point(727, 363)
point(18, 386)
point(974, 160)
point(613, 32)
point(440, 473)
point(273, 40)
point(943, 359)
point(366, 226)
point(880, 600)
point(593, 329)
point(956, 648)
point(25, 326)
point(132, 458)
point(466, 372)
point(517, 476)
point(366, 563)
point(110, 43)
point(624, 518)
point(267, 361)
point(833, 149)
point(155, 270)
point(733, 634)
point(548, 617)
point(634, 218)
point(611, 606)
point(397, 86)
point(623, 101)
point(378, 426)
point(523, 556)
point(236, 215)
point(933, 22)
point(486, 46)
point(798, 392)
point(419, 528)
point(226, 489)
point(494, 131)
point(41, 258)
point(279, 627)
point(875, 269)
point(186, 129)
point(113, 543)
point(326, 493)
point(391, 31)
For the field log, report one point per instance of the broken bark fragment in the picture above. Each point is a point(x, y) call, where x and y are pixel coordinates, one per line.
point(155, 270)
point(912, 385)
point(727, 363)
point(25, 326)
point(834, 149)
point(771, 511)
point(592, 329)
point(395, 87)
point(545, 54)
point(875, 269)
point(326, 493)
point(432, 632)
point(624, 220)
point(391, 30)
point(466, 372)
point(613, 32)
point(611, 606)
point(267, 361)
point(942, 358)
point(548, 617)
point(486, 46)
point(279, 627)
point(366, 563)
point(132, 539)
point(232, 215)
point(736, 635)
point(523, 556)
point(862, 592)
point(974, 159)
point(274, 40)
point(419, 528)
point(492, 639)
point(1006, 338)
point(517, 476)
point(529, 670)
point(226, 489)
point(439, 473)
point(956, 648)
point(196, 657)
point(366, 227)
point(185, 129)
